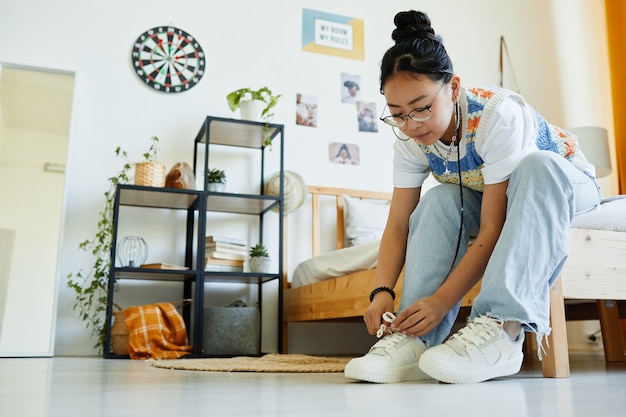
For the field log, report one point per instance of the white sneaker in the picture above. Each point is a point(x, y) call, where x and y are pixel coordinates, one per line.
point(394, 358)
point(480, 351)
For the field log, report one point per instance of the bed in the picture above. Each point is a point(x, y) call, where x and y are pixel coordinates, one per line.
point(596, 270)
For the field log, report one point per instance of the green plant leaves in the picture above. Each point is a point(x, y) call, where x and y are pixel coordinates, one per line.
point(91, 288)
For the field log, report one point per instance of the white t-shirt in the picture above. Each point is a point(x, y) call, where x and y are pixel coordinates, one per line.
point(508, 136)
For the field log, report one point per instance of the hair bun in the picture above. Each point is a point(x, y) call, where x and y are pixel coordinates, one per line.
point(411, 25)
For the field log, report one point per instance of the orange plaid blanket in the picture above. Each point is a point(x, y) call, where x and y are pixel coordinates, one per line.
point(156, 331)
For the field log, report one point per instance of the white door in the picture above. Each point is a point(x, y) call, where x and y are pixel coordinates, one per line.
point(35, 112)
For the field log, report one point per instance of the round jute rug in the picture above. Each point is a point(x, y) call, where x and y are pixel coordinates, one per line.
point(272, 362)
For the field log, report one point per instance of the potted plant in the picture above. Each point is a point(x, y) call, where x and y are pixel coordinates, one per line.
point(216, 179)
point(91, 287)
point(150, 173)
point(254, 105)
point(259, 259)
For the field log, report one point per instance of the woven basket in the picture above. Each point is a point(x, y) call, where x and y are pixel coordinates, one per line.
point(150, 174)
point(119, 333)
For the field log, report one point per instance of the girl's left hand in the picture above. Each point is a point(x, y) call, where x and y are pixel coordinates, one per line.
point(421, 317)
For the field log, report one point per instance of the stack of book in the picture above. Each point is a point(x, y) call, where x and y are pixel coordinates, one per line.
point(225, 254)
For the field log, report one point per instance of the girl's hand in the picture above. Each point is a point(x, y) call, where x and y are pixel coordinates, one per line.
point(421, 317)
point(373, 316)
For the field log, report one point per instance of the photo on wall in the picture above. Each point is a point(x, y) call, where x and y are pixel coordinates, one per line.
point(306, 110)
point(366, 116)
point(343, 153)
point(350, 88)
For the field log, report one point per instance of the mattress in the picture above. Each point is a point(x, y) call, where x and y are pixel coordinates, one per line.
point(610, 215)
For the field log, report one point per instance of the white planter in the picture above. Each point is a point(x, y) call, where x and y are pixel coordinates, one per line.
point(259, 264)
point(216, 186)
point(251, 109)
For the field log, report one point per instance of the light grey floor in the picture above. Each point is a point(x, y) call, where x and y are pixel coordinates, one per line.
point(97, 387)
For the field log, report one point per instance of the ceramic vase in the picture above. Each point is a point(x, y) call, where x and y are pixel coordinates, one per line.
point(259, 264)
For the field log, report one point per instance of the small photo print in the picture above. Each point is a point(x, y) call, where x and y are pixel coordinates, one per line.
point(350, 88)
point(306, 110)
point(343, 153)
point(366, 115)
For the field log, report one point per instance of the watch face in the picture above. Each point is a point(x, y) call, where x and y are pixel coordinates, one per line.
point(168, 59)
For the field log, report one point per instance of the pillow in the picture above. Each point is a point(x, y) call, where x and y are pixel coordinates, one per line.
point(364, 220)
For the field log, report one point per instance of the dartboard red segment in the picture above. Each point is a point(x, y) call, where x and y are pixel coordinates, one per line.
point(168, 59)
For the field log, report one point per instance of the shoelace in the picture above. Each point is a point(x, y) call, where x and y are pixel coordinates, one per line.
point(479, 331)
point(388, 317)
point(388, 340)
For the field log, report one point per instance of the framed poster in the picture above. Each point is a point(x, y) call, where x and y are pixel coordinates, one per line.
point(332, 34)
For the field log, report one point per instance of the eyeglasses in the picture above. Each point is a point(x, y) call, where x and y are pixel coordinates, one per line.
point(420, 114)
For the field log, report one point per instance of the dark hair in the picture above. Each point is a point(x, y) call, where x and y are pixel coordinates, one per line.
point(349, 84)
point(417, 49)
point(343, 147)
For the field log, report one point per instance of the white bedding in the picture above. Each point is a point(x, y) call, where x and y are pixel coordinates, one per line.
point(610, 215)
point(336, 263)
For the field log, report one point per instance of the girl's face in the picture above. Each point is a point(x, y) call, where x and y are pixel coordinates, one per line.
point(407, 91)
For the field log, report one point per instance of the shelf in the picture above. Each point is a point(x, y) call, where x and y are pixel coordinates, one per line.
point(240, 203)
point(150, 274)
point(200, 206)
point(170, 198)
point(235, 132)
point(239, 277)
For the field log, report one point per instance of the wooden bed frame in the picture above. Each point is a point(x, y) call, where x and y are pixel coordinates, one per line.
point(596, 270)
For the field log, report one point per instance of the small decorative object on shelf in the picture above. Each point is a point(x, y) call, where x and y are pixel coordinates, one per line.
point(259, 259)
point(180, 176)
point(255, 105)
point(119, 332)
point(132, 251)
point(166, 266)
point(241, 99)
point(216, 179)
point(150, 173)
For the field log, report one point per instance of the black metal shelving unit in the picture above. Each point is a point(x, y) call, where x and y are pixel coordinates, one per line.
point(199, 204)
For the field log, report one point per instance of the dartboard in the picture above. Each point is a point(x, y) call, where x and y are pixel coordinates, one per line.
point(168, 59)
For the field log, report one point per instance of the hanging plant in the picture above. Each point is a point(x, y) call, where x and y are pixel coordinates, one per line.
point(91, 287)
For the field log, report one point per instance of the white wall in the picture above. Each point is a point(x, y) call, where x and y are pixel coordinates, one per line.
point(584, 77)
point(251, 43)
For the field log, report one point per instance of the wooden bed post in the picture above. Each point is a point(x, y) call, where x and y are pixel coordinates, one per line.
point(555, 362)
point(612, 333)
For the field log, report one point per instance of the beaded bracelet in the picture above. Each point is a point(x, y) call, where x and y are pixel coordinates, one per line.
point(382, 289)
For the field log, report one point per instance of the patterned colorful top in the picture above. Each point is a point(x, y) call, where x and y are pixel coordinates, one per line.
point(477, 105)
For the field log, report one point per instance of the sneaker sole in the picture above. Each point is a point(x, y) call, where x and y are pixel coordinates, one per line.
point(408, 373)
point(510, 367)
